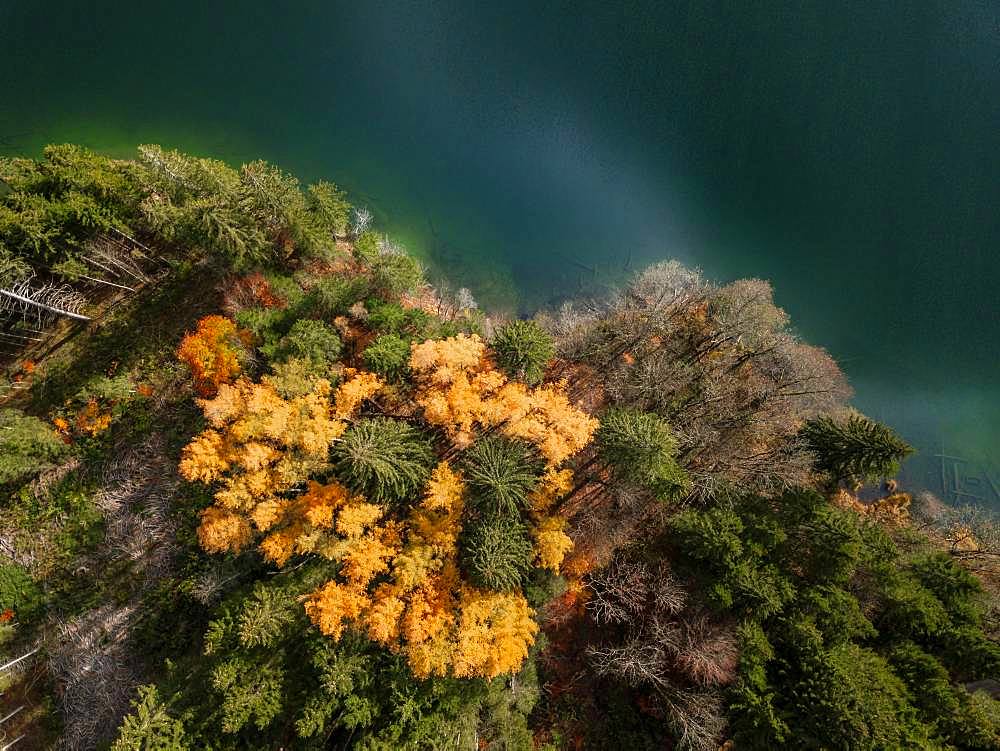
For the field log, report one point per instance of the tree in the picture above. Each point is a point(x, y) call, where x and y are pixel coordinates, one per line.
point(388, 355)
point(309, 340)
point(150, 727)
point(27, 445)
point(859, 448)
point(460, 391)
point(215, 352)
point(328, 204)
point(258, 446)
point(640, 448)
point(496, 552)
point(501, 474)
point(392, 271)
point(335, 293)
point(945, 706)
point(522, 350)
point(718, 363)
point(386, 460)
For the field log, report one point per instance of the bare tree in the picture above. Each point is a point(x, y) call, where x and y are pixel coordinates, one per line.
point(719, 363)
point(361, 221)
point(657, 641)
point(41, 302)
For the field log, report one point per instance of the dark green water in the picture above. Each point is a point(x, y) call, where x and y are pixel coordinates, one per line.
point(849, 152)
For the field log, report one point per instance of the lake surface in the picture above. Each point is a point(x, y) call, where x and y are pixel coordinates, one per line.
point(849, 152)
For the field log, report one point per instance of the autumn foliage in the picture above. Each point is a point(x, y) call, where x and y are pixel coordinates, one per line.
point(461, 392)
point(213, 353)
point(258, 446)
point(423, 608)
point(400, 580)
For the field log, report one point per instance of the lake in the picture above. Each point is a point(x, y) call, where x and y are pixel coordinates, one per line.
point(849, 152)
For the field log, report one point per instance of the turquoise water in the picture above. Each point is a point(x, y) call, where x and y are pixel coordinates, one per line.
point(849, 152)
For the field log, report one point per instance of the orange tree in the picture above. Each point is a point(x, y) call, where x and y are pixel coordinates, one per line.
point(214, 352)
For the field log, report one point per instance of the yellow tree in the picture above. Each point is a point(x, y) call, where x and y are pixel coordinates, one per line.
point(258, 446)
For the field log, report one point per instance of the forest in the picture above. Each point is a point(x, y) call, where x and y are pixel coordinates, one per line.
point(265, 486)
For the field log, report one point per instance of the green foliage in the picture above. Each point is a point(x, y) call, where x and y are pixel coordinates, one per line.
point(836, 613)
point(333, 294)
point(256, 215)
point(943, 705)
point(388, 355)
point(274, 201)
point(392, 271)
point(251, 693)
point(393, 318)
point(385, 460)
point(505, 711)
point(739, 576)
point(523, 349)
point(500, 474)
point(859, 448)
point(958, 591)
point(309, 340)
point(843, 642)
point(19, 592)
point(269, 680)
point(641, 449)
point(27, 445)
point(263, 323)
point(969, 654)
point(150, 727)
point(496, 552)
point(752, 696)
point(847, 697)
point(56, 204)
point(328, 205)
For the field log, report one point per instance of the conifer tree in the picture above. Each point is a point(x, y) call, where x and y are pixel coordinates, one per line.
point(386, 460)
point(640, 448)
point(496, 552)
point(859, 448)
point(150, 727)
point(501, 473)
point(522, 349)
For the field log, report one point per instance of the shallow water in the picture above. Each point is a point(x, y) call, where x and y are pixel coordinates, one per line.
point(849, 152)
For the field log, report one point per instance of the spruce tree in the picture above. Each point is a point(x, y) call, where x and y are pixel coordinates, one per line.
point(641, 449)
point(859, 448)
point(523, 349)
point(385, 460)
point(500, 474)
point(496, 552)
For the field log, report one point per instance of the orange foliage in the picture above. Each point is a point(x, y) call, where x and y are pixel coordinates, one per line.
point(399, 580)
point(258, 446)
point(460, 391)
point(213, 353)
point(90, 420)
point(424, 610)
point(552, 486)
point(221, 531)
point(252, 290)
point(551, 542)
point(358, 387)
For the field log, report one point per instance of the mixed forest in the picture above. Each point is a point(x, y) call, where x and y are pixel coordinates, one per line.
point(262, 486)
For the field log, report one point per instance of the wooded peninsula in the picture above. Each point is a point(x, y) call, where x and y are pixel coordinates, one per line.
point(263, 486)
